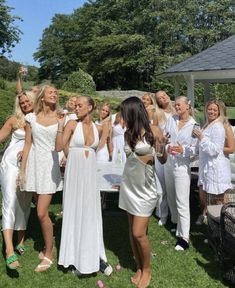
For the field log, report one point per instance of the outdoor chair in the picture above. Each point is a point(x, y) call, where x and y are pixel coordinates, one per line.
point(221, 231)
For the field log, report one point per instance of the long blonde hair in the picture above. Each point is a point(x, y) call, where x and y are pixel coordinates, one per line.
point(18, 114)
point(224, 108)
point(38, 107)
point(218, 103)
point(159, 111)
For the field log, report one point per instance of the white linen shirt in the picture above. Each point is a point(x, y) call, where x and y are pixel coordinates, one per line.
point(214, 168)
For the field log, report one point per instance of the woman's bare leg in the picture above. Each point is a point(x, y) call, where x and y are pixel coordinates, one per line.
point(46, 224)
point(8, 239)
point(135, 250)
point(140, 226)
point(203, 200)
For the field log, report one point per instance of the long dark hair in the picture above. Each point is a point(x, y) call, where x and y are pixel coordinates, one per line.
point(136, 118)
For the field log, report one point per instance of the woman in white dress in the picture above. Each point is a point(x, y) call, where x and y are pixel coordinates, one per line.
point(138, 191)
point(118, 142)
point(214, 168)
point(15, 204)
point(81, 243)
point(163, 110)
point(40, 163)
point(181, 148)
point(105, 154)
point(149, 105)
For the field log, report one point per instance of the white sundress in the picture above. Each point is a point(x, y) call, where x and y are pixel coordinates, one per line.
point(82, 232)
point(119, 155)
point(42, 168)
point(103, 154)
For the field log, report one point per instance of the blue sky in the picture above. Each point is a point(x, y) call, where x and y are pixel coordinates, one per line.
point(36, 15)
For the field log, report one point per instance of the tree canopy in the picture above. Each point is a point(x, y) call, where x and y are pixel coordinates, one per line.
point(124, 43)
point(9, 33)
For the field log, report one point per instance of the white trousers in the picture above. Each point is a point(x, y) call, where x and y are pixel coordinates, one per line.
point(162, 205)
point(177, 181)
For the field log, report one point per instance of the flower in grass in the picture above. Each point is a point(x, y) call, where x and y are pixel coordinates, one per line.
point(100, 284)
point(164, 242)
point(118, 267)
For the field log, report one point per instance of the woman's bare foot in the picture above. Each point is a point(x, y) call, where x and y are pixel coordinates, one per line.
point(136, 278)
point(145, 279)
point(44, 265)
point(12, 261)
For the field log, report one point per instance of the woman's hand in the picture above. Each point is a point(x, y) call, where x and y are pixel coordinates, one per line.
point(20, 181)
point(61, 120)
point(175, 149)
point(19, 156)
point(197, 133)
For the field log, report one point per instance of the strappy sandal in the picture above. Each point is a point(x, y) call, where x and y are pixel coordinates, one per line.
point(11, 259)
point(44, 267)
point(20, 249)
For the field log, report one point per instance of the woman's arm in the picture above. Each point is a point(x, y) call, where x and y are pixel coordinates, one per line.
point(160, 143)
point(214, 143)
point(27, 146)
point(229, 146)
point(7, 128)
point(64, 134)
point(110, 147)
point(155, 119)
point(104, 134)
point(19, 81)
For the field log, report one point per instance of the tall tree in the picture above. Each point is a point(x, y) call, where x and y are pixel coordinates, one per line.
point(124, 43)
point(9, 33)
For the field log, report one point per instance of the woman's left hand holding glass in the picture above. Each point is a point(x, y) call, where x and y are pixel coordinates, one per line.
point(177, 149)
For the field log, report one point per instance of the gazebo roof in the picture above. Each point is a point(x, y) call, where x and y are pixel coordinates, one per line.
point(214, 63)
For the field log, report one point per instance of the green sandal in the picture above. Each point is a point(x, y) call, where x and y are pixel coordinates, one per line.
point(11, 259)
point(21, 249)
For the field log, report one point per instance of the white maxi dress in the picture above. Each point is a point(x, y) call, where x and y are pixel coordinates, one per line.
point(15, 203)
point(82, 232)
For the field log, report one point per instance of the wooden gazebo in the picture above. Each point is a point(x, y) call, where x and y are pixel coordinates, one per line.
point(213, 65)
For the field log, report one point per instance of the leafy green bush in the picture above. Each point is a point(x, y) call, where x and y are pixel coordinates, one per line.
point(3, 84)
point(80, 82)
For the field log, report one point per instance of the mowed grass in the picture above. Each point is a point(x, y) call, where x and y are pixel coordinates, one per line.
point(196, 267)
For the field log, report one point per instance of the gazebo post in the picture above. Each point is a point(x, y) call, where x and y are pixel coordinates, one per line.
point(206, 86)
point(177, 87)
point(190, 88)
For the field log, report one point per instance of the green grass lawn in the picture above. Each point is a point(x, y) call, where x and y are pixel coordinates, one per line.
point(196, 267)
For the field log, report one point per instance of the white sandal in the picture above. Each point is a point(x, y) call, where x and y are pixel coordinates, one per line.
point(44, 267)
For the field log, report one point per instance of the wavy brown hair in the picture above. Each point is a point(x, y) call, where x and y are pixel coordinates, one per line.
point(136, 119)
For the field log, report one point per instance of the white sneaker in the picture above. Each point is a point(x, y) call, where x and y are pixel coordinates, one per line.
point(108, 271)
point(161, 222)
point(76, 272)
point(105, 268)
point(200, 220)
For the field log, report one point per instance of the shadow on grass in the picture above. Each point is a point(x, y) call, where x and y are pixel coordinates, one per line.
point(115, 231)
point(116, 238)
point(12, 273)
point(34, 229)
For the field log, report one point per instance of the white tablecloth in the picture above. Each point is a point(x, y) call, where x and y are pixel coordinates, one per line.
point(108, 174)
